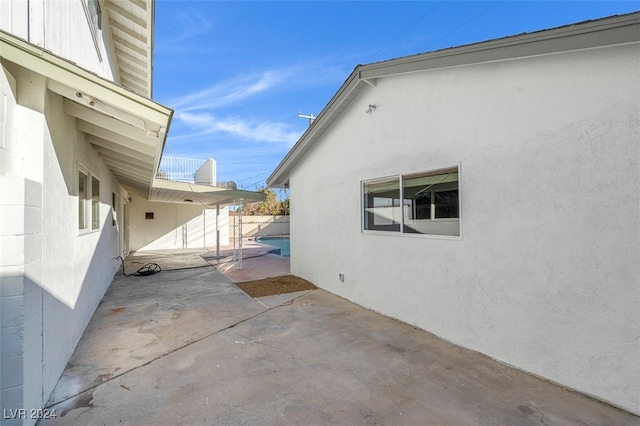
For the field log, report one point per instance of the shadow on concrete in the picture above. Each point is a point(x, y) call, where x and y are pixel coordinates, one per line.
point(187, 346)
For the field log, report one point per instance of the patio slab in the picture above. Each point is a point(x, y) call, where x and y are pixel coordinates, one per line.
point(304, 358)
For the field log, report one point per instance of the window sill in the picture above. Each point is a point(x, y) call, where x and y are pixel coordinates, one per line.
point(411, 235)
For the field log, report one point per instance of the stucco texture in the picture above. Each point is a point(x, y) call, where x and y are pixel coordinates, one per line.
point(544, 276)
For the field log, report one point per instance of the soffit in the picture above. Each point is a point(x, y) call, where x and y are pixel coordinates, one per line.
point(165, 191)
point(127, 130)
point(130, 23)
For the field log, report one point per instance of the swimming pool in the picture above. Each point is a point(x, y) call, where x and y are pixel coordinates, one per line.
point(282, 244)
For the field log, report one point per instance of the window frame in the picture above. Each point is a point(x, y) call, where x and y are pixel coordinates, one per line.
point(400, 178)
point(83, 198)
point(88, 206)
point(93, 12)
point(95, 204)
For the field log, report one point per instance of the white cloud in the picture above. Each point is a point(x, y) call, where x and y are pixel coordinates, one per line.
point(191, 24)
point(228, 92)
point(261, 131)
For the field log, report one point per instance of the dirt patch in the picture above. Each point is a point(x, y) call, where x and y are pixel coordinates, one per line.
point(275, 285)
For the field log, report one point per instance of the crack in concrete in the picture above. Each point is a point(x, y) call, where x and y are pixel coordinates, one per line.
point(92, 388)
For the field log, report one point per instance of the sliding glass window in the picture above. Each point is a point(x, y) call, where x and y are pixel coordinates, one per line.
point(430, 203)
point(95, 203)
point(83, 194)
point(382, 205)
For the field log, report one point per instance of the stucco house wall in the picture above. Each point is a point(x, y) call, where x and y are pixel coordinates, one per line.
point(52, 276)
point(175, 226)
point(545, 273)
point(66, 272)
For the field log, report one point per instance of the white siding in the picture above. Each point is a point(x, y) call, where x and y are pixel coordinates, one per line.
point(545, 276)
point(60, 27)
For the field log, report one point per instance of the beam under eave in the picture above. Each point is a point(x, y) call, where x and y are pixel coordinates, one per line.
point(140, 3)
point(133, 118)
point(127, 75)
point(133, 86)
point(126, 181)
point(130, 46)
point(103, 145)
point(116, 166)
point(131, 58)
point(116, 138)
point(118, 26)
point(94, 117)
point(134, 69)
point(143, 181)
point(126, 161)
point(154, 119)
point(126, 15)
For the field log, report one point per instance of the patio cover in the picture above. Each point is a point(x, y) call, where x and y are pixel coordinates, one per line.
point(167, 191)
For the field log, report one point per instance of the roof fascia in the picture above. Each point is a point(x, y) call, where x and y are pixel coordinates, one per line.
point(588, 35)
point(67, 73)
point(279, 177)
point(615, 30)
point(68, 79)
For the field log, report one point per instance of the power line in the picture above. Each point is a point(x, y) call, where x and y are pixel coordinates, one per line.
point(404, 31)
point(463, 25)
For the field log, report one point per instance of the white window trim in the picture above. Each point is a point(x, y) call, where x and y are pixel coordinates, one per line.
point(401, 232)
point(94, 31)
point(88, 205)
point(93, 177)
point(115, 202)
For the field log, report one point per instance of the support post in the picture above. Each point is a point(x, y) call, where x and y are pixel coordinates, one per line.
point(218, 231)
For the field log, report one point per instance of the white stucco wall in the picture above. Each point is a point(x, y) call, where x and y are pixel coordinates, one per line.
point(20, 243)
point(545, 275)
point(52, 275)
point(175, 226)
point(78, 266)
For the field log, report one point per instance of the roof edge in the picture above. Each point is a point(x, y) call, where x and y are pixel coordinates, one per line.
point(621, 29)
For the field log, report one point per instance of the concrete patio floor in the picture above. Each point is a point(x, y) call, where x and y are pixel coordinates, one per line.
point(187, 346)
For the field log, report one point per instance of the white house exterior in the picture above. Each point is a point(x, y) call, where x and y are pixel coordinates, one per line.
point(518, 163)
point(80, 144)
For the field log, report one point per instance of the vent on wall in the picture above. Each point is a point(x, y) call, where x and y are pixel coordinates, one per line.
point(148, 215)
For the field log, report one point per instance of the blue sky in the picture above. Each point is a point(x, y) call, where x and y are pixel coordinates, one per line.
point(237, 73)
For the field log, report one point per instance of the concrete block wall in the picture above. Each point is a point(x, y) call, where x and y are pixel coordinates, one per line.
point(20, 296)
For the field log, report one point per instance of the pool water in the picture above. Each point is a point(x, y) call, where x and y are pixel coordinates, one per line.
point(282, 244)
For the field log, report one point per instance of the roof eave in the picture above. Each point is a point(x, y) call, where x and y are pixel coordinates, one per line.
point(121, 125)
point(614, 30)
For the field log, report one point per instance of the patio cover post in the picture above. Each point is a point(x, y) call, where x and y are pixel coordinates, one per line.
point(234, 233)
point(240, 231)
point(217, 231)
